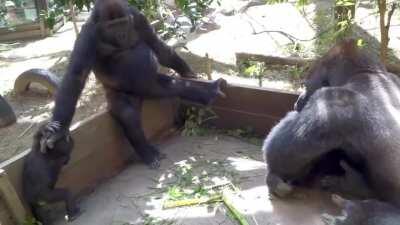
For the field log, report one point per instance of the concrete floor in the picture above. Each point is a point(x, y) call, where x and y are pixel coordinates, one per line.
point(134, 196)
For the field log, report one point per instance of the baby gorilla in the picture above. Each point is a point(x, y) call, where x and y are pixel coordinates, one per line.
point(41, 170)
point(366, 212)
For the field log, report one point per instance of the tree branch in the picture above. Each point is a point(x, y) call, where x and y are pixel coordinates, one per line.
point(272, 60)
point(390, 14)
point(292, 61)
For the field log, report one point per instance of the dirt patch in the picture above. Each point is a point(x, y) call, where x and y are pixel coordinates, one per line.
point(35, 106)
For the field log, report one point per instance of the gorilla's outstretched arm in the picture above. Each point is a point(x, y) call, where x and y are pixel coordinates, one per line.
point(81, 62)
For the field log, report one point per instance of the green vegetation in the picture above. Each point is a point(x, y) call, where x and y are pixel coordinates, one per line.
point(77, 3)
point(148, 7)
point(148, 220)
point(195, 119)
point(50, 16)
point(195, 124)
point(194, 9)
point(31, 221)
point(344, 12)
point(253, 69)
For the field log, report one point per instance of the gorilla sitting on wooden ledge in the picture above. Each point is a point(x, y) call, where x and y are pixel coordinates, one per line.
point(351, 104)
point(122, 49)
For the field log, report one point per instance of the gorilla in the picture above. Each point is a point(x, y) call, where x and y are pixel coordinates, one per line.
point(351, 104)
point(40, 174)
point(119, 45)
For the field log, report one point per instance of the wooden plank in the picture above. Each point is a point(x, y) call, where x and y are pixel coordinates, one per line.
point(257, 101)
point(5, 215)
point(93, 163)
point(101, 150)
point(11, 198)
point(20, 28)
point(20, 35)
point(258, 108)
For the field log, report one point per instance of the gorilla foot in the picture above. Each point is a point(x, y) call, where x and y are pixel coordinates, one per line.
point(155, 164)
point(216, 90)
point(157, 161)
point(218, 86)
point(152, 156)
point(73, 214)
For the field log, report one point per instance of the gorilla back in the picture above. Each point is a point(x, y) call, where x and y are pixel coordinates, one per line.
point(351, 103)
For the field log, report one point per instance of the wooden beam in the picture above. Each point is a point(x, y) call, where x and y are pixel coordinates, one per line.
point(11, 198)
point(292, 61)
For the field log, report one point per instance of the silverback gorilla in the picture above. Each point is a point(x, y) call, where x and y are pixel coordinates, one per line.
point(351, 104)
point(123, 51)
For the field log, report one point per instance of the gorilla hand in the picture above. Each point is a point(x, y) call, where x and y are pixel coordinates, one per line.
point(301, 102)
point(50, 134)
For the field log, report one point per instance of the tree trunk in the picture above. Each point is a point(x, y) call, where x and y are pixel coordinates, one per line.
point(73, 16)
point(385, 26)
point(384, 32)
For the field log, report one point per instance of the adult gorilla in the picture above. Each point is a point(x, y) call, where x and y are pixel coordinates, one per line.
point(352, 104)
point(122, 49)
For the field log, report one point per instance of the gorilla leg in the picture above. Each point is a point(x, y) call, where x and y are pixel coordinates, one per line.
point(53, 196)
point(126, 110)
point(167, 86)
point(39, 214)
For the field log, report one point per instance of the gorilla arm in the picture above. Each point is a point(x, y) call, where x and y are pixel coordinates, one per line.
point(81, 62)
point(165, 54)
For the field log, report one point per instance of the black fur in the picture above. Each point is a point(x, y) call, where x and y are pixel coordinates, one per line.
point(351, 103)
point(40, 174)
point(119, 45)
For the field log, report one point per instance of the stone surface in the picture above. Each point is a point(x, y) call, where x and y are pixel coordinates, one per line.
point(128, 198)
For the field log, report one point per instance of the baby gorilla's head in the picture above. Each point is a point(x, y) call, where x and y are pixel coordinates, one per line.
point(61, 145)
